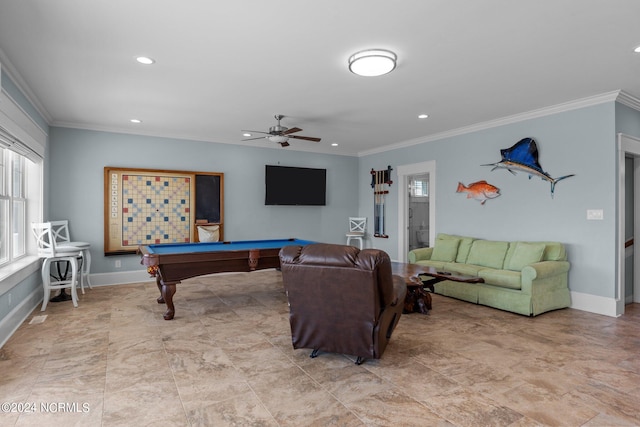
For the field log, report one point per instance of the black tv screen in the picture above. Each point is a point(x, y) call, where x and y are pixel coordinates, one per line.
point(290, 186)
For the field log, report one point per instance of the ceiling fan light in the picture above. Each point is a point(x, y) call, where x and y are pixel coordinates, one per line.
point(372, 62)
point(278, 138)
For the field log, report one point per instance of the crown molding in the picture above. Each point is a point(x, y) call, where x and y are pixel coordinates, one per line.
point(628, 100)
point(613, 96)
point(17, 79)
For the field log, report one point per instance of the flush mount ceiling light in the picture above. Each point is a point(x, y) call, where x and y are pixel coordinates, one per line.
point(372, 62)
point(145, 60)
point(135, 121)
point(423, 116)
point(637, 49)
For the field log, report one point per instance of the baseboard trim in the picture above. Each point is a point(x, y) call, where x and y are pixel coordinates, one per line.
point(12, 321)
point(594, 304)
point(120, 278)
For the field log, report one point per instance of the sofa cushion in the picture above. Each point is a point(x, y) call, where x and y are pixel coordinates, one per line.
point(445, 250)
point(463, 247)
point(524, 254)
point(503, 278)
point(438, 265)
point(488, 253)
point(466, 269)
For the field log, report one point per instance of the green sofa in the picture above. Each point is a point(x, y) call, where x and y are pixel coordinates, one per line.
point(527, 278)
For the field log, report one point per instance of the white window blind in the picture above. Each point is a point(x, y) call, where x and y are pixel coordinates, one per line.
point(9, 141)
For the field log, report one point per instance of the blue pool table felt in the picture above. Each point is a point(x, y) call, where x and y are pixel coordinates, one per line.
point(240, 245)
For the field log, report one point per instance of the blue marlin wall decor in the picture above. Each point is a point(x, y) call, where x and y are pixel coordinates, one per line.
point(523, 157)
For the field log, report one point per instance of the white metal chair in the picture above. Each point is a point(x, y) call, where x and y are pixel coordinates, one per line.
point(52, 254)
point(357, 228)
point(60, 231)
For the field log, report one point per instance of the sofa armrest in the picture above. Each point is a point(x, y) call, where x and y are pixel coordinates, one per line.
point(544, 269)
point(399, 291)
point(420, 254)
point(545, 278)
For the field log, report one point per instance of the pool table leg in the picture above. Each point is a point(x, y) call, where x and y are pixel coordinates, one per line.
point(166, 296)
point(159, 284)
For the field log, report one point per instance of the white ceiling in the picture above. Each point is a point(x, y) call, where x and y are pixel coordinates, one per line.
point(223, 66)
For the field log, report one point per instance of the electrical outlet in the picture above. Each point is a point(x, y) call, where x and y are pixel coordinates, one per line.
point(595, 214)
point(118, 263)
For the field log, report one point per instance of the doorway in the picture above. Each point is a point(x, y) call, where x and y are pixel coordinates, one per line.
point(416, 207)
point(628, 259)
point(630, 165)
point(418, 214)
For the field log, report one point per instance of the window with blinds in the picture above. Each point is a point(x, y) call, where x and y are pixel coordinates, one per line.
point(13, 206)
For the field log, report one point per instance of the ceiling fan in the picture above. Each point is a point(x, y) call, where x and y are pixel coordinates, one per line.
point(281, 134)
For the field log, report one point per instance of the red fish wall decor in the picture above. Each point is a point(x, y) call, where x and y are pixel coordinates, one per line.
point(480, 190)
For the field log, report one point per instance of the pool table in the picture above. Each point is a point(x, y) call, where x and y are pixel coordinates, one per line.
point(170, 263)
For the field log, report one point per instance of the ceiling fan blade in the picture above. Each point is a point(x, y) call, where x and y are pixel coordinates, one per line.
point(292, 130)
point(306, 138)
point(259, 137)
point(255, 131)
point(285, 144)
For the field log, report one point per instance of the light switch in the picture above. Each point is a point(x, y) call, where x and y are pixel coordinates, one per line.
point(595, 214)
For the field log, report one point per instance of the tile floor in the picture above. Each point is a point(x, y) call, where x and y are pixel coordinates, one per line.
point(226, 360)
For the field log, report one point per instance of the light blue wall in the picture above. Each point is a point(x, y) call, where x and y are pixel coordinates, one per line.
point(627, 120)
point(78, 158)
point(580, 142)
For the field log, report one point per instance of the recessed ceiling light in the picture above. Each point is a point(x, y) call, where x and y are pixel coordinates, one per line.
point(637, 49)
point(246, 134)
point(335, 144)
point(372, 62)
point(423, 116)
point(136, 121)
point(145, 60)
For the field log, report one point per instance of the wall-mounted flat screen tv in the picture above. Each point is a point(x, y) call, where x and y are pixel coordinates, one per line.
point(291, 186)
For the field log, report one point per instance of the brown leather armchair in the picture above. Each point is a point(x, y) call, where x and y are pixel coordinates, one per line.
point(341, 299)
